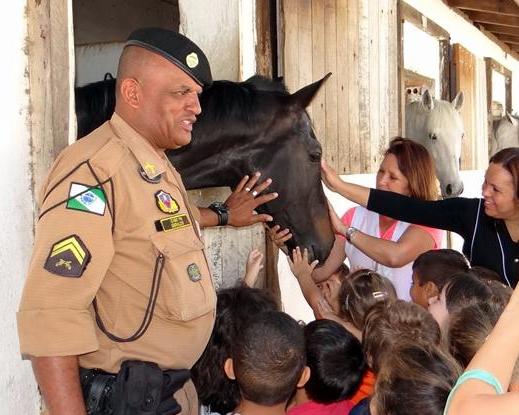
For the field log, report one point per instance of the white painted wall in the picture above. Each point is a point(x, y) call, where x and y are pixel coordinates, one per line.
point(18, 393)
point(93, 61)
point(469, 37)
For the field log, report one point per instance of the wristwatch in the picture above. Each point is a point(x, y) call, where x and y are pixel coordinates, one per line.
point(222, 211)
point(350, 232)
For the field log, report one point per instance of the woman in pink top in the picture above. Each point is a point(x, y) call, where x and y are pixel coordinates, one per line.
point(380, 243)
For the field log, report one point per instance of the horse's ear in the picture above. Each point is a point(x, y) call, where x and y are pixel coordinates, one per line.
point(427, 100)
point(304, 96)
point(457, 102)
point(513, 120)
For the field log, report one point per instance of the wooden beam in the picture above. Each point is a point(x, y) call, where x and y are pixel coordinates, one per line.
point(501, 30)
point(492, 18)
point(506, 7)
point(509, 39)
point(413, 16)
point(266, 50)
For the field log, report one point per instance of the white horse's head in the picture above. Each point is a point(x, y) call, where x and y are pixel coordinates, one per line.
point(506, 133)
point(438, 126)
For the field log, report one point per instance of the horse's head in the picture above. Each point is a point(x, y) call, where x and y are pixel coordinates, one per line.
point(438, 126)
point(506, 133)
point(257, 126)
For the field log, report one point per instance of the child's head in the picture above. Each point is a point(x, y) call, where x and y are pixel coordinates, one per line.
point(431, 270)
point(386, 324)
point(469, 327)
point(485, 273)
point(332, 286)
point(415, 379)
point(461, 290)
point(335, 359)
point(268, 359)
point(234, 307)
point(360, 291)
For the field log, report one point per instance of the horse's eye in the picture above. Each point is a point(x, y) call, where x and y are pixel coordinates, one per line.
point(433, 136)
point(315, 157)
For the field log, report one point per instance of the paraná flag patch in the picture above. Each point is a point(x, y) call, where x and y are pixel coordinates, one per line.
point(86, 198)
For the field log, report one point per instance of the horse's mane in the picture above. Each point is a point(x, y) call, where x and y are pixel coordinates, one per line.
point(245, 102)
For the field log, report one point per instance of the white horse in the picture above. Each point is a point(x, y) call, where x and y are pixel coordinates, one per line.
point(505, 133)
point(438, 126)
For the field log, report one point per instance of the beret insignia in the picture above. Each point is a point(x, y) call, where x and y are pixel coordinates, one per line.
point(68, 257)
point(192, 60)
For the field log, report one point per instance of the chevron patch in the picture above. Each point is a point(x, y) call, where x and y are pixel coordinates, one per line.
point(68, 257)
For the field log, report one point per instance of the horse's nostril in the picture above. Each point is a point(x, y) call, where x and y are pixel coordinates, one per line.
point(448, 189)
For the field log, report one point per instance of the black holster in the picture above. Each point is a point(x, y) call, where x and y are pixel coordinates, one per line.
point(140, 388)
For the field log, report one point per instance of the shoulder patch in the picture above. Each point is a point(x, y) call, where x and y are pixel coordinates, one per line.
point(68, 257)
point(91, 199)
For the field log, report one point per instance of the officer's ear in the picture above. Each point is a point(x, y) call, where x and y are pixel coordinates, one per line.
point(431, 289)
point(305, 375)
point(228, 368)
point(129, 90)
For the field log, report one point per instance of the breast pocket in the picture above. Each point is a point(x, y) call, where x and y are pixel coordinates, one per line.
point(186, 288)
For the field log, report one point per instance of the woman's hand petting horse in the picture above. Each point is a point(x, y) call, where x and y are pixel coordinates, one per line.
point(247, 197)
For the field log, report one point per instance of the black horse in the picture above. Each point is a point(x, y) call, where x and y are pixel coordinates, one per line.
point(244, 127)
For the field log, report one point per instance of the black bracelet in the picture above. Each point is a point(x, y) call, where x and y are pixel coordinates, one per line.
point(222, 211)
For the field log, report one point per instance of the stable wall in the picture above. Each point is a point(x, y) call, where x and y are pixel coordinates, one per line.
point(18, 393)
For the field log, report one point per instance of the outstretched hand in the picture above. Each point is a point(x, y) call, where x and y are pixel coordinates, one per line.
point(299, 264)
point(279, 237)
point(337, 225)
point(247, 197)
point(253, 267)
point(329, 176)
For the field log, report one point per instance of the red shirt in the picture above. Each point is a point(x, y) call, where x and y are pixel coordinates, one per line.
point(313, 408)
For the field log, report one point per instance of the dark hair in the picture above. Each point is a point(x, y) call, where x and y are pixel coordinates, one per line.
point(469, 327)
point(438, 265)
point(234, 307)
point(269, 358)
point(386, 324)
point(409, 154)
point(485, 273)
point(335, 359)
point(415, 379)
point(360, 291)
point(509, 159)
point(465, 288)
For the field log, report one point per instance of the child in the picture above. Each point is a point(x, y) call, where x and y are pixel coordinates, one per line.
point(234, 307)
point(268, 362)
point(336, 364)
point(431, 270)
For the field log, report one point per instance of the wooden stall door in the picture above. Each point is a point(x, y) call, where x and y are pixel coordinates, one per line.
point(465, 74)
point(356, 112)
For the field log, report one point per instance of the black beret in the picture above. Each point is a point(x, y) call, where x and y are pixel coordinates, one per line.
point(176, 48)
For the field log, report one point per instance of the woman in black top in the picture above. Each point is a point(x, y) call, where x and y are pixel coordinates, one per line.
point(489, 226)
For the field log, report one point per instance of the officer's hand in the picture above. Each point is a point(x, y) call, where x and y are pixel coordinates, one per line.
point(247, 197)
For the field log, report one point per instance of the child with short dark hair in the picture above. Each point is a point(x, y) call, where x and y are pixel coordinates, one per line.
point(268, 362)
point(336, 364)
point(431, 270)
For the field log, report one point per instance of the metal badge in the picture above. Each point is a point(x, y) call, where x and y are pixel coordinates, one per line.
point(194, 272)
point(153, 180)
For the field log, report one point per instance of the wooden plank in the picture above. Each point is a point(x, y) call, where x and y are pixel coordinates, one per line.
point(463, 62)
point(394, 81)
point(363, 86)
point(510, 39)
point(343, 85)
point(481, 116)
point(500, 30)
point(508, 93)
point(266, 42)
point(49, 84)
point(330, 36)
point(498, 19)
point(413, 16)
point(488, 70)
point(445, 78)
point(400, 68)
point(290, 42)
point(494, 6)
point(304, 28)
point(373, 70)
point(318, 70)
point(353, 90)
point(383, 80)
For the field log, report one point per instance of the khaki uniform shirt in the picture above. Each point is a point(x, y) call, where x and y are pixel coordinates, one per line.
point(112, 209)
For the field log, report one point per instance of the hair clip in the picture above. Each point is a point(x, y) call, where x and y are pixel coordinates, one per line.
point(346, 302)
point(379, 295)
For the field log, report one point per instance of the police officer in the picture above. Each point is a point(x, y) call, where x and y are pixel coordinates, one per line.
point(118, 272)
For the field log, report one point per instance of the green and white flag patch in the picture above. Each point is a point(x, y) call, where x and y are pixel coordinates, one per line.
point(86, 199)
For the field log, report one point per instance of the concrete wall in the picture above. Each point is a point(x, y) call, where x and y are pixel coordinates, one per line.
point(18, 393)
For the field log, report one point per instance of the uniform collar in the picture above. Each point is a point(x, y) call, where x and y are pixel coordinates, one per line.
point(151, 160)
